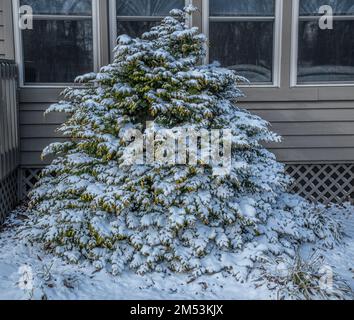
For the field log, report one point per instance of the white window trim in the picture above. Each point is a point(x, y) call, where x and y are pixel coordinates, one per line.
point(19, 49)
point(113, 22)
point(277, 45)
point(294, 55)
point(112, 25)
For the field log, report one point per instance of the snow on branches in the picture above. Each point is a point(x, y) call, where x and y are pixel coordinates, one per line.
point(91, 203)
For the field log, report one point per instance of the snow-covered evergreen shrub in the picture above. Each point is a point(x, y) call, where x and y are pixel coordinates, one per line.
point(91, 204)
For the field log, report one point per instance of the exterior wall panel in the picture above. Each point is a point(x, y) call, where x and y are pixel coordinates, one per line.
point(6, 31)
point(2, 32)
point(311, 131)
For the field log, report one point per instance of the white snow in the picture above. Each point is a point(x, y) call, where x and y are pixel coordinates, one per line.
point(23, 265)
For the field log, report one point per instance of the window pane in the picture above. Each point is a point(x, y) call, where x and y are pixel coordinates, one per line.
point(244, 46)
point(340, 7)
point(57, 51)
point(326, 55)
point(242, 7)
point(147, 7)
point(67, 7)
point(135, 28)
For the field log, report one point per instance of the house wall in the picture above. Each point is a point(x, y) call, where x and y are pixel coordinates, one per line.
point(6, 30)
point(2, 31)
point(317, 123)
point(313, 131)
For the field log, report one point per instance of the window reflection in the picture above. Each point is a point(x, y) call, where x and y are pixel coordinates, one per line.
point(147, 7)
point(134, 17)
point(135, 28)
point(340, 7)
point(242, 37)
point(57, 51)
point(326, 55)
point(242, 7)
point(246, 47)
point(59, 7)
point(59, 48)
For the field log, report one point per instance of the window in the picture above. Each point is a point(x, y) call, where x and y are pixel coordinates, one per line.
point(242, 37)
point(60, 45)
point(325, 55)
point(134, 17)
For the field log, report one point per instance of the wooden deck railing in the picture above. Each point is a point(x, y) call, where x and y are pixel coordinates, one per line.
point(9, 137)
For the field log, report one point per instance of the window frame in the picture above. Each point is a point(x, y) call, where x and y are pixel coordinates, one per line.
point(295, 52)
point(19, 44)
point(277, 39)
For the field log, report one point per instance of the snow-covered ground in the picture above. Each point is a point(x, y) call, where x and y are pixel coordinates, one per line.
point(26, 272)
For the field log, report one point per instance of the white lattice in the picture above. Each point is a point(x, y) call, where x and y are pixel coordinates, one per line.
point(8, 195)
point(29, 177)
point(323, 182)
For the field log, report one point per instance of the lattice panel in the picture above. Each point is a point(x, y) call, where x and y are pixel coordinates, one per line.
point(323, 182)
point(29, 177)
point(8, 195)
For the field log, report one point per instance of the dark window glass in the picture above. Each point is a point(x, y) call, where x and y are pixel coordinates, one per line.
point(242, 7)
point(326, 55)
point(135, 28)
point(340, 7)
point(57, 51)
point(147, 7)
point(246, 47)
point(60, 7)
point(134, 17)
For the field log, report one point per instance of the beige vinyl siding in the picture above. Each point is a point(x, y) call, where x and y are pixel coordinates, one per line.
point(6, 31)
point(36, 132)
point(2, 31)
point(312, 131)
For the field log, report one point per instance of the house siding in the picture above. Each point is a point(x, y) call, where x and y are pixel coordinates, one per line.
point(2, 31)
point(6, 31)
point(312, 132)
